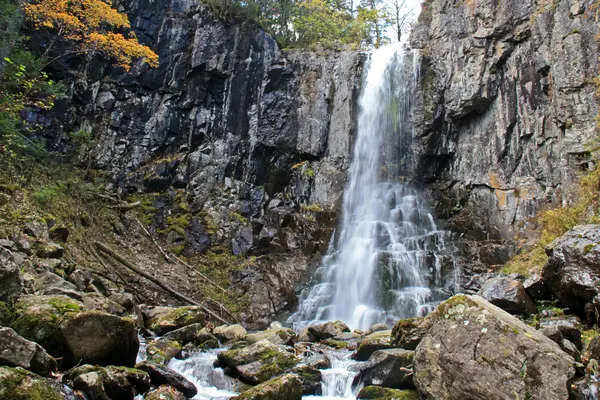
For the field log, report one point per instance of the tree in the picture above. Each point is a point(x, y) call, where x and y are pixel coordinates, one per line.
point(377, 20)
point(90, 25)
point(401, 16)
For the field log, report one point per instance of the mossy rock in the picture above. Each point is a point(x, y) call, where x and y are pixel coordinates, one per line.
point(381, 393)
point(163, 350)
point(286, 387)
point(19, 384)
point(172, 319)
point(111, 382)
point(230, 333)
point(36, 318)
point(376, 341)
point(408, 333)
point(284, 336)
point(164, 393)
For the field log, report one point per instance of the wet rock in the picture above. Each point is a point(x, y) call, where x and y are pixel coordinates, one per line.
point(166, 319)
point(572, 272)
point(283, 336)
point(258, 362)
point(50, 250)
point(103, 383)
point(311, 380)
point(229, 333)
point(470, 337)
point(16, 351)
point(286, 387)
point(536, 288)
point(161, 351)
point(509, 295)
point(161, 375)
point(370, 344)
point(408, 333)
point(389, 368)
point(314, 356)
point(328, 330)
point(164, 393)
point(98, 338)
point(377, 328)
point(583, 389)
point(305, 336)
point(11, 282)
point(381, 393)
point(194, 333)
point(560, 332)
point(20, 384)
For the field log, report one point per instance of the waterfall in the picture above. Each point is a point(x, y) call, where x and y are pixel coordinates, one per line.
point(390, 259)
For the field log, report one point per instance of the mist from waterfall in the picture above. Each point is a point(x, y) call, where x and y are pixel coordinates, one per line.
point(387, 262)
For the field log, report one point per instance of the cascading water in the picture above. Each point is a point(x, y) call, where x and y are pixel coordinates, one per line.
point(389, 260)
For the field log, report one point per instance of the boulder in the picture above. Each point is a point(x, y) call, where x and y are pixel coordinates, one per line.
point(536, 288)
point(258, 362)
point(476, 350)
point(114, 383)
point(310, 378)
point(305, 336)
point(161, 351)
point(96, 301)
point(370, 344)
point(16, 351)
point(50, 250)
point(565, 320)
point(166, 319)
point(48, 280)
point(314, 356)
point(125, 300)
point(229, 333)
point(20, 384)
point(377, 328)
point(95, 337)
point(36, 229)
point(286, 387)
point(161, 375)
point(164, 393)
point(283, 336)
point(11, 282)
point(559, 333)
point(408, 333)
point(593, 349)
point(509, 295)
point(381, 393)
point(389, 368)
point(572, 273)
point(327, 330)
point(195, 333)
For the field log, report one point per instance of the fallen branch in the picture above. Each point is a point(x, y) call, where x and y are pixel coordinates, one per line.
point(206, 278)
point(147, 232)
point(127, 206)
point(107, 250)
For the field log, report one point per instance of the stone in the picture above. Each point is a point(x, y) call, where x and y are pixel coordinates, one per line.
point(314, 356)
point(229, 333)
point(125, 300)
point(566, 320)
point(46, 281)
point(378, 327)
point(49, 250)
point(161, 351)
point(389, 368)
point(370, 344)
point(162, 320)
point(311, 379)
point(305, 336)
point(80, 278)
point(115, 383)
point(286, 387)
point(59, 232)
point(11, 282)
point(16, 351)
point(36, 229)
point(194, 333)
point(560, 332)
point(470, 337)
point(408, 333)
point(572, 272)
point(96, 301)
point(20, 384)
point(164, 393)
point(593, 349)
point(258, 362)
point(536, 288)
point(161, 375)
point(283, 336)
point(509, 295)
point(95, 337)
point(381, 393)
point(327, 330)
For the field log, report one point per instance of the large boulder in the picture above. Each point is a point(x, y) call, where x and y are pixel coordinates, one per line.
point(572, 272)
point(375, 341)
point(381, 393)
point(161, 375)
point(286, 387)
point(390, 368)
point(161, 351)
point(20, 384)
point(408, 333)
point(166, 319)
point(195, 333)
point(95, 337)
point(276, 336)
point(114, 383)
point(258, 362)
point(476, 350)
point(327, 330)
point(16, 351)
point(229, 333)
point(11, 282)
point(508, 294)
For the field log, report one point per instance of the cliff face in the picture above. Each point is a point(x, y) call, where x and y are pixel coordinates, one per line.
point(228, 139)
point(506, 110)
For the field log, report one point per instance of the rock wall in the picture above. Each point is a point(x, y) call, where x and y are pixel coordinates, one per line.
point(506, 109)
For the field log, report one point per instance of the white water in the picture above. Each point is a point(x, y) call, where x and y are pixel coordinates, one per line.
point(386, 263)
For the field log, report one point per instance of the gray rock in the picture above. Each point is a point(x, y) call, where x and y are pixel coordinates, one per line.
point(311, 379)
point(27, 385)
point(195, 333)
point(536, 288)
point(327, 330)
point(390, 368)
point(108, 383)
point(558, 333)
point(161, 375)
point(408, 333)
point(377, 393)
point(509, 295)
point(50, 250)
point(11, 282)
point(36, 229)
point(286, 387)
point(47, 280)
point(229, 333)
point(284, 336)
point(572, 272)
point(164, 393)
point(370, 344)
point(166, 319)
point(16, 351)
point(470, 337)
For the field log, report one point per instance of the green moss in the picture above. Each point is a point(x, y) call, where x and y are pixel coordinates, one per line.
point(313, 208)
point(336, 344)
point(238, 217)
point(64, 305)
point(19, 384)
point(381, 393)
